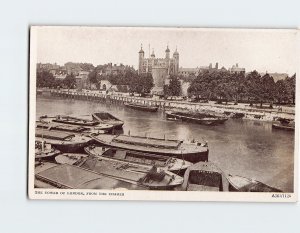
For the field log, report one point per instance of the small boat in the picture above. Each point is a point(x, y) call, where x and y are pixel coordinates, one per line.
point(243, 184)
point(283, 127)
point(107, 118)
point(152, 178)
point(66, 176)
point(177, 166)
point(237, 115)
point(65, 142)
point(70, 120)
point(101, 128)
point(204, 176)
point(192, 152)
point(171, 118)
point(199, 118)
point(70, 158)
point(142, 107)
point(45, 151)
point(284, 124)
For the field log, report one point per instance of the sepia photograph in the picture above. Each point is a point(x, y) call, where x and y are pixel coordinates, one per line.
point(161, 113)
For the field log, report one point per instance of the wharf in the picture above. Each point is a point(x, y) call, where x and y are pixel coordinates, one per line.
point(250, 112)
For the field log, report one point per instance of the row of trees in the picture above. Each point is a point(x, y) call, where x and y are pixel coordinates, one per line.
point(46, 79)
point(226, 86)
point(141, 84)
point(209, 85)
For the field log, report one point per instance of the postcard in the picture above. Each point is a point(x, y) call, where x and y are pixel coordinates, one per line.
point(158, 113)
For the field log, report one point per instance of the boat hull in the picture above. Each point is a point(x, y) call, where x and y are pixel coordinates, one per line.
point(283, 127)
point(142, 108)
point(176, 166)
point(117, 124)
point(243, 184)
point(66, 147)
point(193, 156)
point(201, 121)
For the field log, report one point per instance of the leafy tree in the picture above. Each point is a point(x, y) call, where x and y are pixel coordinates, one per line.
point(45, 79)
point(141, 84)
point(281, 91)
point(174, 88)
point(93, 77)
point(268, 89)
point(291, 87)
point(147, 82)
point(253, 86)
point(70, 81)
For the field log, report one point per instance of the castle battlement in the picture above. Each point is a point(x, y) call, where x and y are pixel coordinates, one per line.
point(160, 68)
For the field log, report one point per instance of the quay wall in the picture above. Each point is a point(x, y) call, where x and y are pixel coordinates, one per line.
point(250, 112)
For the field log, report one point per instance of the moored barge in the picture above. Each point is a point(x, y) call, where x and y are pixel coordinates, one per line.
point(66, 176)
point(142, 107)
point(71, 120)
point(151, 178)
point(204, 176)
point(44, 151)
point(192, 152)
point(107, 118)
point(175, 165)
point(198, 118)
point(284, 124)
point(65, 142)
point(243, 184)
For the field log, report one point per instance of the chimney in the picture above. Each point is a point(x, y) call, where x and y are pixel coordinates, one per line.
point(217, 65)
point(237, 65)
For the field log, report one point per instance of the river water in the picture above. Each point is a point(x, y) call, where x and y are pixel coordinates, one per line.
point(240, 147)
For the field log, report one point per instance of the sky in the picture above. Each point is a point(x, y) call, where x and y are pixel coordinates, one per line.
point(268, 50)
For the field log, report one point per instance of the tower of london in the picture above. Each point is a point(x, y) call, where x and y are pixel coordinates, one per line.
point(160, 68)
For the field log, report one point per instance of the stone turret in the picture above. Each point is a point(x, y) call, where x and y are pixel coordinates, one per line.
point(168, 53)
point(176, 61)
point(141, 59)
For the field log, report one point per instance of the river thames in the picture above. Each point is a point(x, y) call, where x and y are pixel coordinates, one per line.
point(240, 147)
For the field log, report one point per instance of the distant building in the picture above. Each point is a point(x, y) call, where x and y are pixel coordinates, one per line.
point(276, 76)
point(47, 66)
point(184, 87)
point(107, 87)
point(60, 76)
point(73, 68)
point(82, 81)
point(237, 69)
point(160, 68)
point(185, 72)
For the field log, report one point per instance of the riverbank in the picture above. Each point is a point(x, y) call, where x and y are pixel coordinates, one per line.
point(251, 113)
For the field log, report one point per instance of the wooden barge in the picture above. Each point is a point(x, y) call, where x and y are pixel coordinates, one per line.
point(107, 118)
point(206, 176)
point(65, 142)
point(74, 124)
point(198, 118)
point(142, 107)
point(66, 176)
point(243, 184)
point(151, 178)
point(175, 165)
point(192, 152)
point(44, 151)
